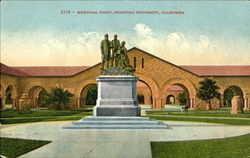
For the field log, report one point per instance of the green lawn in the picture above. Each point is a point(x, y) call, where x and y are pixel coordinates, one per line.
point(39, 115)
point(211, 113)
point(12, 116)
point(212, 116)
point(206, 120)
point(11, 147)
point(237, 147)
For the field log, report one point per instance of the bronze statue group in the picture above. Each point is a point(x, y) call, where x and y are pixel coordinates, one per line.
point(114, 54)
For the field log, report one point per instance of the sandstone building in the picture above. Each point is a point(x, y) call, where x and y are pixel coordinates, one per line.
point(160, 81)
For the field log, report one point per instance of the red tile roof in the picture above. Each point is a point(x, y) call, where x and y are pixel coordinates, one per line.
point(52, 70)
point(219, 70)
point(11, 71)
point(72, 70)
point(42, 70)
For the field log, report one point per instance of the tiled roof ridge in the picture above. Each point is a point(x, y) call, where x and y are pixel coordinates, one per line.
point(198, 70)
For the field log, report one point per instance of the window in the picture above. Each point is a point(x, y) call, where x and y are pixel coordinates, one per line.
point(142, 63)
point(134, 62)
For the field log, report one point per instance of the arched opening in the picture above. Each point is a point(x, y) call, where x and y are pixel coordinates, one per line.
point(170, 99)
point(41, 97)
point(144, 94)
point(177, 94)
point(229, 93)
point(36, 96)
point(8, 98)
point(88, 95)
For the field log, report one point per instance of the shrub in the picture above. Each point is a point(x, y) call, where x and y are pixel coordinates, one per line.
point(25, 109)
point(58, 98)
point(207, 91)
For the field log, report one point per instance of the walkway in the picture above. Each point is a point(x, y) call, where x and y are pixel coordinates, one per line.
point(112, 143)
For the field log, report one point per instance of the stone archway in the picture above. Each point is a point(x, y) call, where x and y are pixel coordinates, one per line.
point(9, 97)
point(154, 87)
point(237, 91)
point(79, 92)
point(144, 94)
point(27, 95)
point(85, 95)
point(186, 85)
point(33, 96)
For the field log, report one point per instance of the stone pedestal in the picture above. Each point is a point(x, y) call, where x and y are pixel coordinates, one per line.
point(117, 96)
point(116, 107)
point(237, 105)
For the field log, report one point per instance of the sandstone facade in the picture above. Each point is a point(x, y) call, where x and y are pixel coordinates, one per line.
point(157, 74)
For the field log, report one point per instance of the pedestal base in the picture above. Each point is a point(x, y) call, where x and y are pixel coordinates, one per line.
point(116, 123)
point(117, 111)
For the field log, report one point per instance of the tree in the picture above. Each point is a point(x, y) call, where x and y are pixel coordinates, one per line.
point(182, 98)
point(91, 95)
point(207, 91)
point(228, 95)
point(41, 98)
point(58, 98)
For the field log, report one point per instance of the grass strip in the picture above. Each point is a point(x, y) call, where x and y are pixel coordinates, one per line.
point(30, 120)
point(12, 147)
point(206, 120)
point(212, 113)
point(236, 147)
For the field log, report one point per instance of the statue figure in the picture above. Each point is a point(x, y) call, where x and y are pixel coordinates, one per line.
point(105, 50)
point(122, 59)
point(115, 44)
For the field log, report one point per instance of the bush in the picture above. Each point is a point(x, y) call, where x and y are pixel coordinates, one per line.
point(208, 91)
point(25, 109)
point(91, 95)
point(58, 99)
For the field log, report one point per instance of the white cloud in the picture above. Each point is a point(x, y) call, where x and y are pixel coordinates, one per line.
point(45, 48)
point(143, 30)
point(175, 48)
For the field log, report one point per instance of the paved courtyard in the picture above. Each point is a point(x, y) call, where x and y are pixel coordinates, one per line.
point(112, 143)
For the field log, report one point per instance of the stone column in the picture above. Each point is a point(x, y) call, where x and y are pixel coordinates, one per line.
point(83, 101)
point(36, 102)
point(188, 102)
point(3, 103)
point(237, 105)
point(147, 99)
point(78, 102)
point(246, 104)
point(192, 103)
point(157, 103)
point(14, 103)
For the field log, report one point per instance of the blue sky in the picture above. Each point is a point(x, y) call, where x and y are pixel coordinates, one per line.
point(36, 28)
